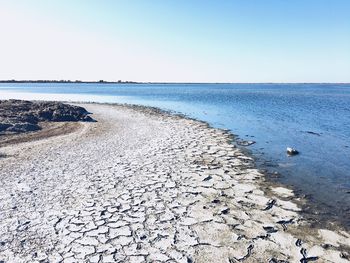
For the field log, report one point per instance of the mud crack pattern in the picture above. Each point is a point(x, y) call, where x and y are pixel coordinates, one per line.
point(141, 186)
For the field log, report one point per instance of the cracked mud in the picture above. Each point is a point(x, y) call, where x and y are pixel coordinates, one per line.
point(141, 186)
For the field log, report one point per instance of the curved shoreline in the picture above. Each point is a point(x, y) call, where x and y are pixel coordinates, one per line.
point(218, 210)
point(309, 209)
point(317, 212)
point(60, 128)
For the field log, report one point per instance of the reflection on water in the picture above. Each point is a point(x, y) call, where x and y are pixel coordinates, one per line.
point(313, 118)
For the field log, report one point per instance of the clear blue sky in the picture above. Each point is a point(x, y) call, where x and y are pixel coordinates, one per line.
point(179, 40)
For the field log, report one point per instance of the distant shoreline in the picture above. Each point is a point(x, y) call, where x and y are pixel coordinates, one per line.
point(136, 82)
point(68, 81)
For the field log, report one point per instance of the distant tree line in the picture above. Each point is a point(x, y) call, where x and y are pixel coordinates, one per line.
point(65, 81)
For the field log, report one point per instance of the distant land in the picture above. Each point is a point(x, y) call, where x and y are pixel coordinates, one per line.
point(64, 81)
point(154, 82)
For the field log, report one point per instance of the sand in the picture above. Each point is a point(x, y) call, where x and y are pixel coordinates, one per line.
point(144, 186)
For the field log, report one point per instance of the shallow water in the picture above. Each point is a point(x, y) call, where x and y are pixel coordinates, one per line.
point(313, 118)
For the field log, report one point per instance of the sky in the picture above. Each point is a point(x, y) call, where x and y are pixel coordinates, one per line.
point(176, 40)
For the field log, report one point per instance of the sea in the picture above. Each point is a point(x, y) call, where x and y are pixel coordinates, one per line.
point(312, 118)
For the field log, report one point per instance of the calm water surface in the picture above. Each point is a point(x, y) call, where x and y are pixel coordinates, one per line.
point(313, 118)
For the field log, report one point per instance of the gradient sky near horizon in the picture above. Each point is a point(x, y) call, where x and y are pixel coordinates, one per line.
point(176, 40)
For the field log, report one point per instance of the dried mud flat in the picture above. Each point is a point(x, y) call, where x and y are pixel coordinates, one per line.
point(143, 186)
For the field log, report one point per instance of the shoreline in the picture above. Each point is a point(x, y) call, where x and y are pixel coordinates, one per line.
point(247, 192)
point(308, 209)
point(151, 82)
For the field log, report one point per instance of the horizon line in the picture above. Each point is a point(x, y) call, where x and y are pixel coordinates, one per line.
point(154, 82)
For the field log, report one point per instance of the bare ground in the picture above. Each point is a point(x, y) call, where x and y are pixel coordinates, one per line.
point(49, 129)
point(141, 186)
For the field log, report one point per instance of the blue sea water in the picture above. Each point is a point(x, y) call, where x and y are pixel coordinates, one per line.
point(313, 118)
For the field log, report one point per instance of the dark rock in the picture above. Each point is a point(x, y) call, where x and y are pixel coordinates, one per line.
point(225, 211)
point(207, 178)
point(4, 126)
point(245, 143)
point(17, 116)
point(23, 127)
point(291, 151)
point(45, 114)
point(270, 229)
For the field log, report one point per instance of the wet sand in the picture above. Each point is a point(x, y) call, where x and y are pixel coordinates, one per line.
point(49, 129)
point(144, 186)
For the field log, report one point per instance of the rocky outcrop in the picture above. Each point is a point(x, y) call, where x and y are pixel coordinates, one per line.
point(17, 116)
